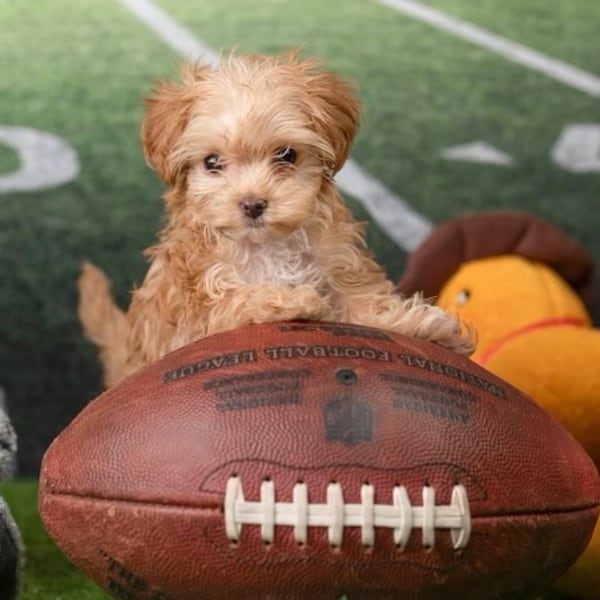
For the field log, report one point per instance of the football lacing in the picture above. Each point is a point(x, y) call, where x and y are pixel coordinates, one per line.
point(335, 515)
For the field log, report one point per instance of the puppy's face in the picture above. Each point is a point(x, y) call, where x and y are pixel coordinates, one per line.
point(250, 144)
point(254, 165)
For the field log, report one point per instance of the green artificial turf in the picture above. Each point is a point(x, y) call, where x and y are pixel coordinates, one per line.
point(9, 161)
point(77, 70)
point(564, 30)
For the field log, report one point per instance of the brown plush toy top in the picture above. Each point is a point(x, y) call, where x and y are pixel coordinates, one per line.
point(496, 233)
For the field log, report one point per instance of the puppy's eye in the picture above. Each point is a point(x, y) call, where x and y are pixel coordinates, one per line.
point(286, 155)
point(212, 163)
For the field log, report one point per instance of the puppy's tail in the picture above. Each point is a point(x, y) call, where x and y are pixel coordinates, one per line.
point(104, 323)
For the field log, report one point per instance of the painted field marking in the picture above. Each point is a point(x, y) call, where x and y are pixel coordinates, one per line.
point(172, 33)
point(578, 148)
point(392, 214)
point(402, 224)
point(555, 69)
point(478, 152)
point(45, 160)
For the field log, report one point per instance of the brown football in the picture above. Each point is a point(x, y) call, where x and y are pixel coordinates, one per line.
point(315, 460)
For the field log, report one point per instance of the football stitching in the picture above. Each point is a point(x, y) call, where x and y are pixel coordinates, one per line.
point(335, 514)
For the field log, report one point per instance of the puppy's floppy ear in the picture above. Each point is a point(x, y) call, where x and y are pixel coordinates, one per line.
point(167, 113)
point(335, 111)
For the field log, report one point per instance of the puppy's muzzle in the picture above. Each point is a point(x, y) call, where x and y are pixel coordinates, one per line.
point(253, 207)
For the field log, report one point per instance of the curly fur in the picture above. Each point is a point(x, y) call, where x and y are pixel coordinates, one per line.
point(215, 266)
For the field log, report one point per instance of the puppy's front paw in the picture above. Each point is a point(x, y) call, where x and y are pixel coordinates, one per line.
point(275, 303)
point(435, 325)
point(309, 304)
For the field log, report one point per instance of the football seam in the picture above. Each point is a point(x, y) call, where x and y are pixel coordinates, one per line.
point(219, 506)
point(133, 502)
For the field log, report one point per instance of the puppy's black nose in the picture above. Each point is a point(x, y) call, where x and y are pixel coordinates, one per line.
point(253, 207)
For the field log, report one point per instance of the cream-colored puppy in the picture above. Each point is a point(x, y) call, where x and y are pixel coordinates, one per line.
point(256, 228)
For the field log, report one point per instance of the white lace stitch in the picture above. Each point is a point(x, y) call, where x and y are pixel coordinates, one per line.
point(300, 514)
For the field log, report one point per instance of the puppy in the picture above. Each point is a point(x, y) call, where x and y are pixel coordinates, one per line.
point(256, 230)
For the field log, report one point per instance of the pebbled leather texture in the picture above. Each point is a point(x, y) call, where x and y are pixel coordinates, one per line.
point(133, 489)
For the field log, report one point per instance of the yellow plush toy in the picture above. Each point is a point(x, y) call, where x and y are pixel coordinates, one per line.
point(525, 287)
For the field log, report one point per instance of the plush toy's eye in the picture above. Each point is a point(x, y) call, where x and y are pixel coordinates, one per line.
point(462, 297)
point(286, 155)
point(213, 163)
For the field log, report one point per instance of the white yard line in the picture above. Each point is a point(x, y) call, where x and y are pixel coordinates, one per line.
point(172, 33)
point(513, 51)
point(392, 214)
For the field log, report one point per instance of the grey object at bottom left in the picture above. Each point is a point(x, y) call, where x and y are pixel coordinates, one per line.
point(11, 546)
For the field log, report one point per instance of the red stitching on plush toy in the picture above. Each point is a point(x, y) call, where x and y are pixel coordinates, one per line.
point(543, 324)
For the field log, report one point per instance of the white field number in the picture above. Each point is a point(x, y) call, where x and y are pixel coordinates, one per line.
point(578, 148)
point(45, 160)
